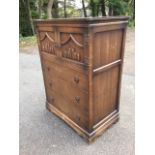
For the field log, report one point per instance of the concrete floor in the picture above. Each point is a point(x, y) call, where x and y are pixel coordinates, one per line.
point(42, 133)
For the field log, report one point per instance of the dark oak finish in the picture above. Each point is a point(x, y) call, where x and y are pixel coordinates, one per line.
point(82, 62)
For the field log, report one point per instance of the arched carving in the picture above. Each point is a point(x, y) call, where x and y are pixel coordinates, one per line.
point(71, 37)
point(47, 43)
point(47, 36)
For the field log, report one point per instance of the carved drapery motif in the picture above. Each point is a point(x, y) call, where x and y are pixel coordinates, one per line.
point(47, 43)
point(71, 53)
point(48, 47)
point(73, 39)
point(69, 47)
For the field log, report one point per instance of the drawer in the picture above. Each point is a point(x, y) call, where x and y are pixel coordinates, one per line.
point(69, 76)
point(75, 96)
point(74, 111)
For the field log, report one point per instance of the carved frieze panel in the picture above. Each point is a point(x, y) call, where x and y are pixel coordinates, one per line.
point(70, 46)
point(47, 42)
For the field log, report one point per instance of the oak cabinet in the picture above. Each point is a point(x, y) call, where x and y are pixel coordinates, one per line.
point(82, 62)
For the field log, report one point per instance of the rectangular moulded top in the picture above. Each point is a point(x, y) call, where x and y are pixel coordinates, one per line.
point(86, 20)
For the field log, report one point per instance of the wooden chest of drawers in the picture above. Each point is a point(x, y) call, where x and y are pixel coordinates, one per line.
point(82, 63)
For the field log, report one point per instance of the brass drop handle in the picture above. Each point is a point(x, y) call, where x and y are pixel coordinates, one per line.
point(77, 98)
point(76, 79)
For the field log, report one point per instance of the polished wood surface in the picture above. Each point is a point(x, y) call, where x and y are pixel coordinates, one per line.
point(82, 63)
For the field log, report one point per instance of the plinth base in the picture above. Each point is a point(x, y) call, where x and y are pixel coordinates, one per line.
point(89, 137)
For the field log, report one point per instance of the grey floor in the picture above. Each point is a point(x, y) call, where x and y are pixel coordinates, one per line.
point(42, 133)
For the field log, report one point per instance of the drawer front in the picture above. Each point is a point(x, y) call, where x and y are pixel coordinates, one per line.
point(73, 78)
point(77, 97)
point(73, 111)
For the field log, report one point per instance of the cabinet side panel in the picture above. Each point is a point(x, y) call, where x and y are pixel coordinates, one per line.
point(107, 62)
point(105, 93)
point(107, 47)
